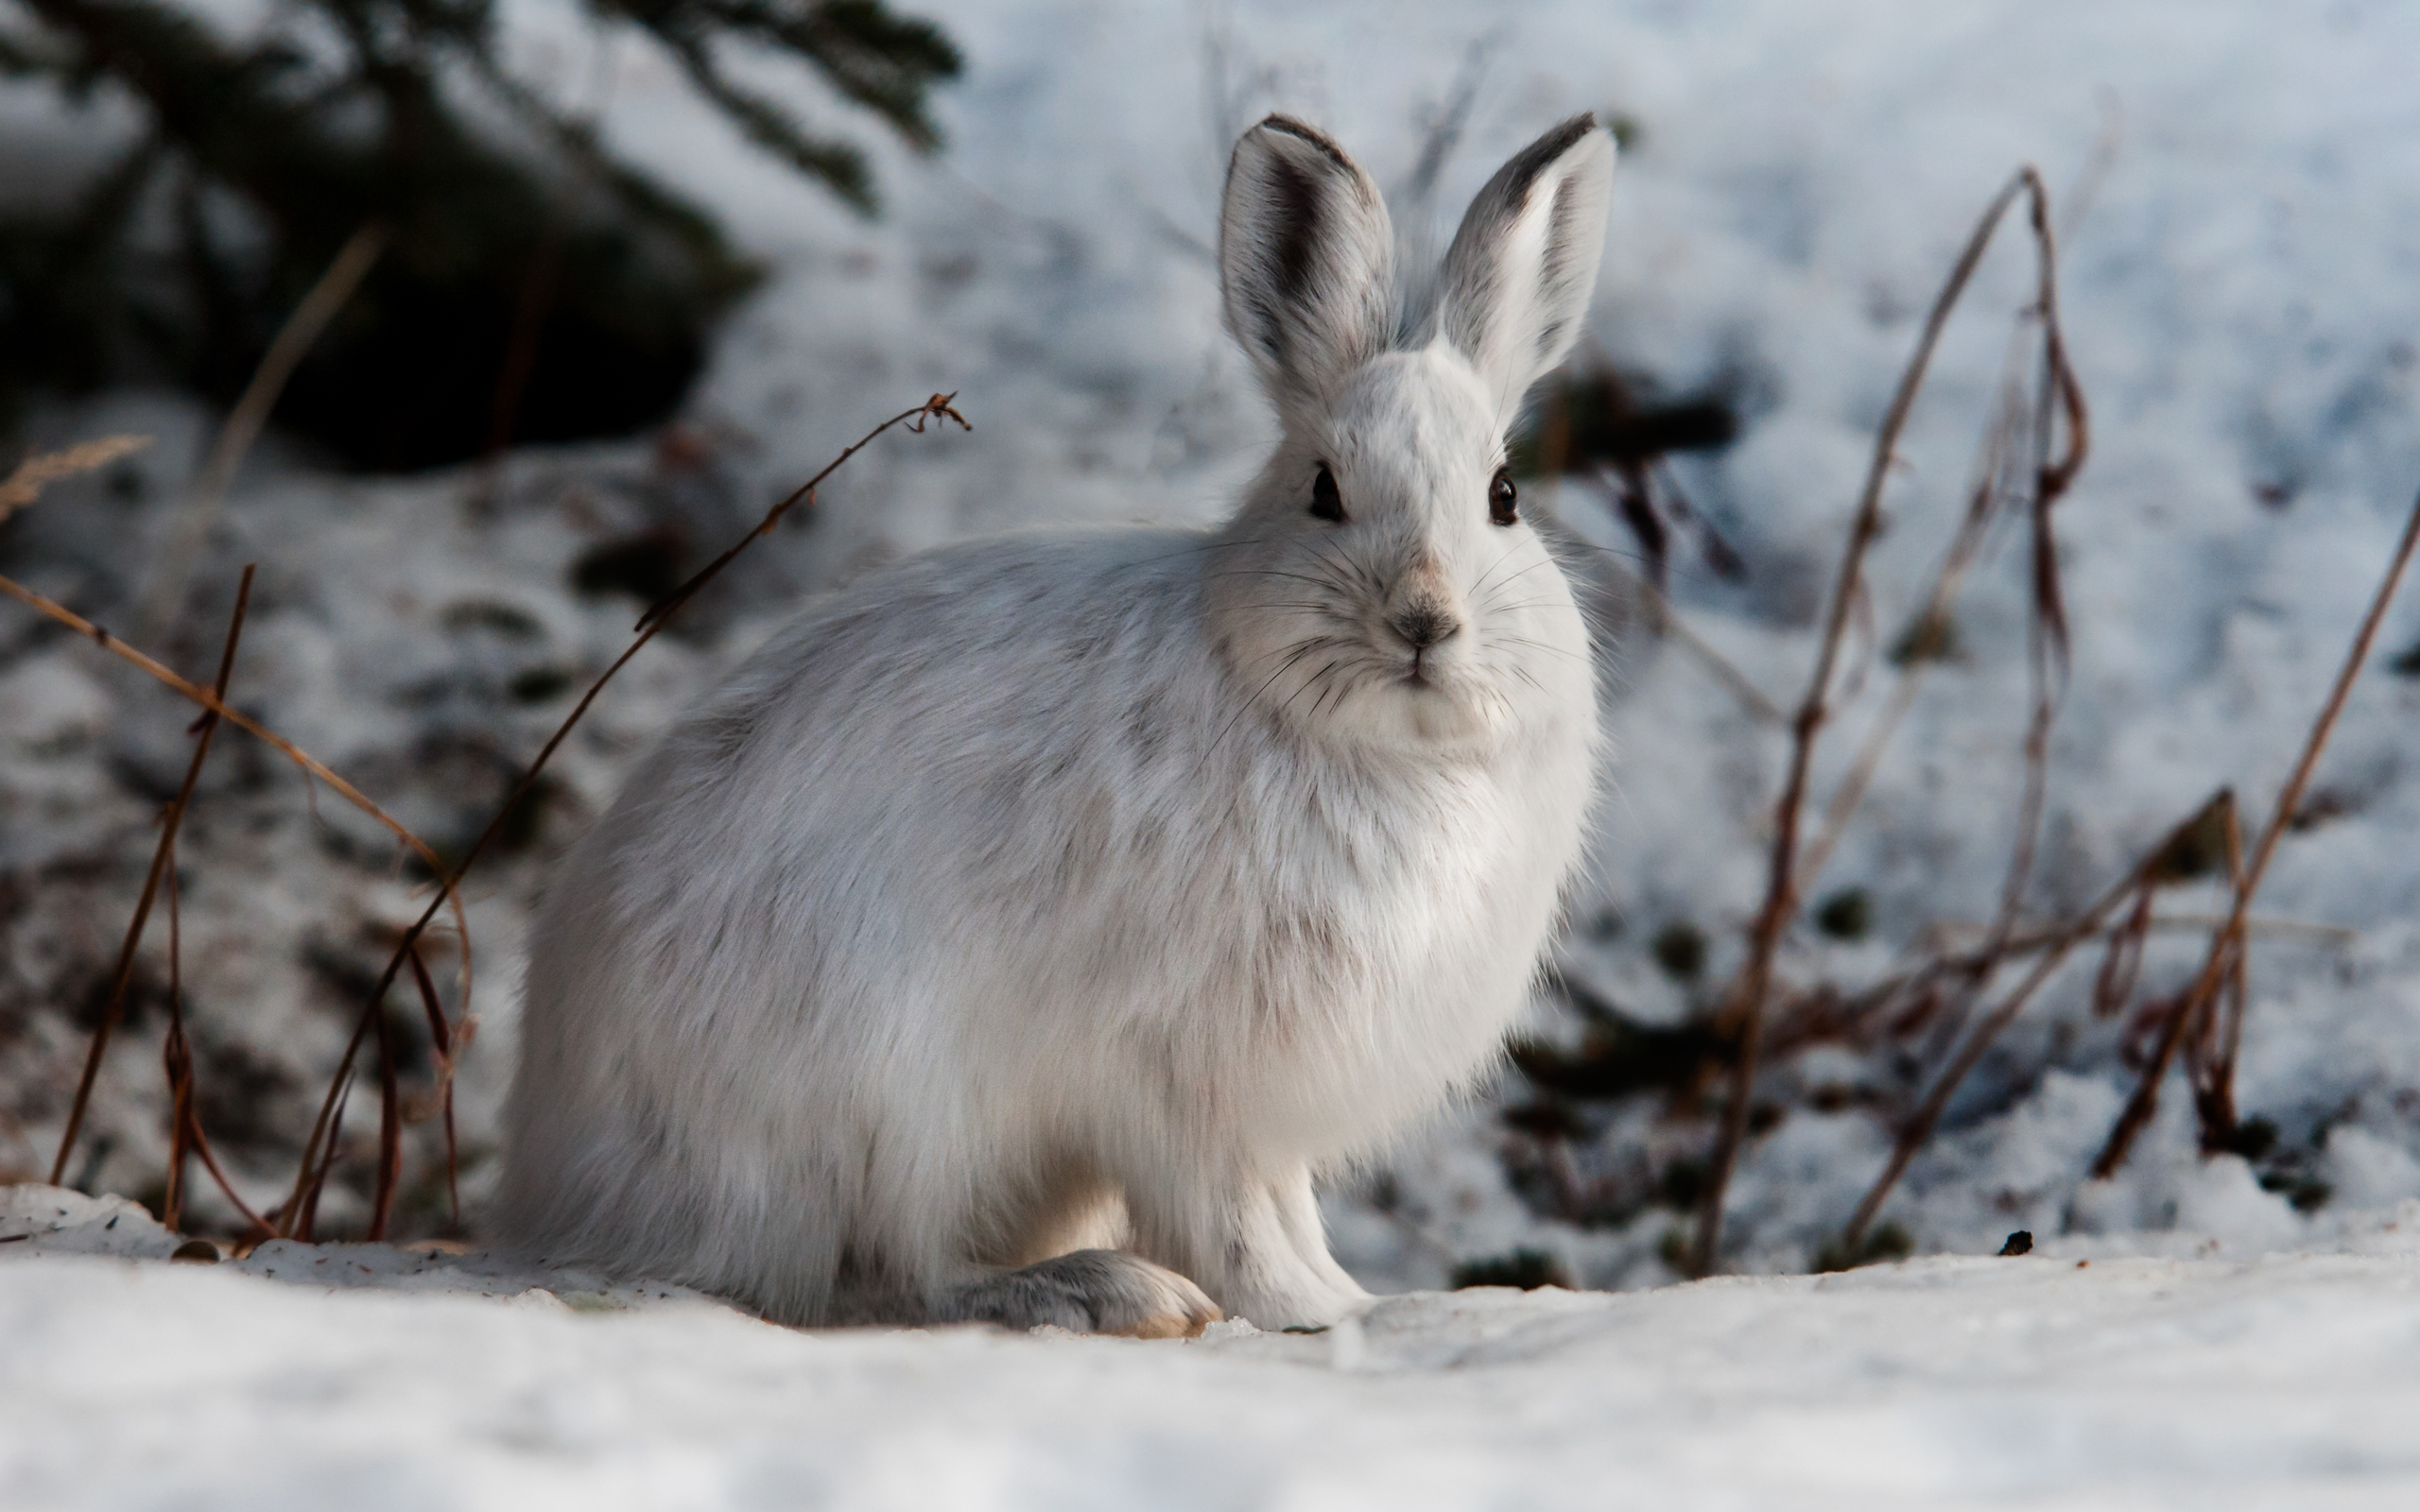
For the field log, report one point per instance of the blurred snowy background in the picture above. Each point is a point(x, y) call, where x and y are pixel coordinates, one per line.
point(2236, 189)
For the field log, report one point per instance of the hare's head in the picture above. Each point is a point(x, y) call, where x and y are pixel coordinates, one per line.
point(1382, 583)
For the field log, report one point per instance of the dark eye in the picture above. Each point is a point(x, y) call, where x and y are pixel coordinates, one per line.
point(1326, 504)
point(1502, 497)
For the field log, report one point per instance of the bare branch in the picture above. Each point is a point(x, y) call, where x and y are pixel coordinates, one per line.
point(1746, 1010)
point(160, 856)
point(2229, 943)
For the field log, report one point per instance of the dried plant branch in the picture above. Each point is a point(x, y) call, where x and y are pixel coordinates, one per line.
point(2047, 638)
point(1746, 1010)
point(390, 1132)
point(1927, 636)
point(34, 474)
point(2093, 921)
point(320, 1151)
point(293, 342)
point(2258, 926)
point(218, 707)
point(2046, 635)
point(2211, 1054)
point(160, 856)
point(444, 1043)
point(1667, 620)
point(186, 1139)
point(176, 1058)
point(2227, 943)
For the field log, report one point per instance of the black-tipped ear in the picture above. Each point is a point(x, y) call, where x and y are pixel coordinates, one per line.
point(1306, 259)
point(1518, 277)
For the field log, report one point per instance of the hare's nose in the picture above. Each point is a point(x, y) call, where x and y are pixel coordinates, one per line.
point(1423, 624)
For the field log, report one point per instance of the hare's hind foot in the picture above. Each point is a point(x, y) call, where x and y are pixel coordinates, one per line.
point(1090, 1291)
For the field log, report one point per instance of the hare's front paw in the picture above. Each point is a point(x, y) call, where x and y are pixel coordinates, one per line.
point(1090, 1291)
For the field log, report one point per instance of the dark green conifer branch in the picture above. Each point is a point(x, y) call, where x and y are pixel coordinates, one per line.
point(259, 156)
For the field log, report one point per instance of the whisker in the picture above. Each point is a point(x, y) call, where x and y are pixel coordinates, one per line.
point(1355, 569)
point(1306, 648)
point(1675, 570)
point(1272, 572)
point(1499, 562)
point(1308, 683)
point(1523, 640)
point(1524, 572)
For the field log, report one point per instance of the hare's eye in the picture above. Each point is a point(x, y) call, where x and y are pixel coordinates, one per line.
point(1501, 498)
point(1326, 504)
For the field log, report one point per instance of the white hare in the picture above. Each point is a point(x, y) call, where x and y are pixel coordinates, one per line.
point(1020, 932)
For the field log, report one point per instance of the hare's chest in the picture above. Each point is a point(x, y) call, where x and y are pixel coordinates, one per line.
point(1431, 906)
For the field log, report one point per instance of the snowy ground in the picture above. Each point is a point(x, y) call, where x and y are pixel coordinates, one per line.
point(2239, 191)
point(2044, 1381)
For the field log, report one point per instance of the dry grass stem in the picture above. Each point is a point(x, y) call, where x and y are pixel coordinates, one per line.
point(162, 856)
point(1668, 621)
point(2091, 922)
point(218, 707)
point(2227, 944)
point(34, 473)
point(293, 342)
point(2060, 396)
point(2210, 1054)
point(444, 1040)
point(2257, 926)
point(176, 1057)
point(1928, 638)
point(187, 1139)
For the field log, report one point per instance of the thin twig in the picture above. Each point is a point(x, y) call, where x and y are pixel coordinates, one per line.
point(319, 1155)
point(1747, 1009)
point(1932, 624)
point(390, 1132)
point(219, 707)
point(1668, 619)
point(2228, 941)
point(1920, 1126)
point(293, 342)
point(2046, 641)
point(2257, 926)
point(176, 1057)
point(443, 1041)
point(186, 1138)
point(37, 473)
point(2211, 1054)
point(160, 855)
point(530, 310)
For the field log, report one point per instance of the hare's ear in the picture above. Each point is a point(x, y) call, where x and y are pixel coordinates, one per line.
point(1517, 279)
point(1306, 259)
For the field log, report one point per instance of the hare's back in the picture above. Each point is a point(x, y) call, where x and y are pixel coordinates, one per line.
point(919, 719)
point(968, 654)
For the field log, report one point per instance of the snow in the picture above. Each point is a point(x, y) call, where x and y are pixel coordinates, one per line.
point(2238, 193)
point(2289, 1380)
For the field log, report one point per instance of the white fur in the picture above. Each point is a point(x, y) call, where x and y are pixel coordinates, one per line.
point(1100, 888)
